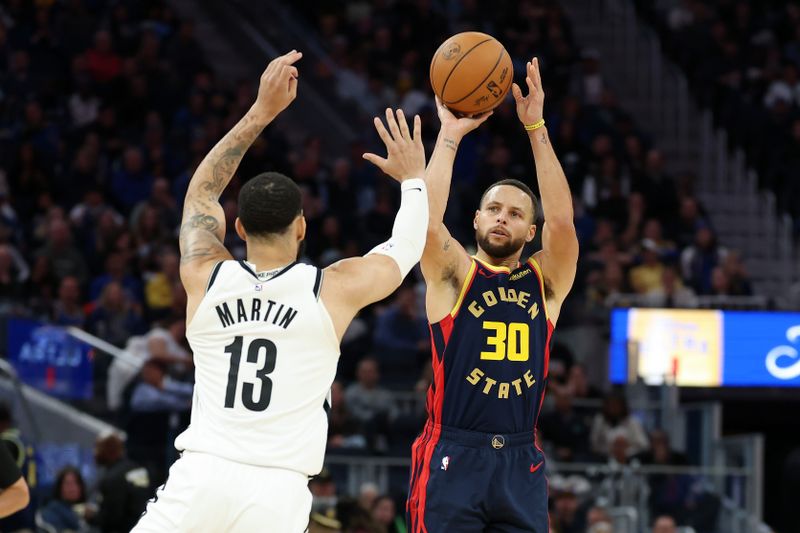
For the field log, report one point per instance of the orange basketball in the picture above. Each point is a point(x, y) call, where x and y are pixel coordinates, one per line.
point(471, 72)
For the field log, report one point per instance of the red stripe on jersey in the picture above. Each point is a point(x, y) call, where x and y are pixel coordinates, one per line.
point(550, 329)
point(418, 525)
point(435, 415)
point(447, 328)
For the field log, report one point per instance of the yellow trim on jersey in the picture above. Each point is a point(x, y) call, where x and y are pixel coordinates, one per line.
point(464, 287)
point(493, 268)
point(538, 270)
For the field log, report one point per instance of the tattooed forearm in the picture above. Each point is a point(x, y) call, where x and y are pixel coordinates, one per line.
point(218, 167)
point(543, 139)
point(450, 143)
point(446, 245)
point(223, 170)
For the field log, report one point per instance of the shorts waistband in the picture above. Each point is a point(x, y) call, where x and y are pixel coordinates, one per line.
point(479, 439)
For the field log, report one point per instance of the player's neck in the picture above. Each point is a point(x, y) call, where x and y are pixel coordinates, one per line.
point(511, 262)
point(271, 256)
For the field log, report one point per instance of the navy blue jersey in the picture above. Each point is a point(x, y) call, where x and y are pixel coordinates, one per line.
point(490, 354)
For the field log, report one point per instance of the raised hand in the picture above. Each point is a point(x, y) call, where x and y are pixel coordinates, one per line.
point(530, 109)
point(455, 126)
point(405, 152)
point(278, 85)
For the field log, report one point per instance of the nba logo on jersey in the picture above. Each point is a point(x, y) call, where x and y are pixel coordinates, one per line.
point(259, 287)
point(445, 462)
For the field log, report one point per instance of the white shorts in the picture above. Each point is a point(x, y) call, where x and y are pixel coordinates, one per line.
point(207, 493)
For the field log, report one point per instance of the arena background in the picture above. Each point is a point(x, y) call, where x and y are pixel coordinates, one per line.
point(676, 122)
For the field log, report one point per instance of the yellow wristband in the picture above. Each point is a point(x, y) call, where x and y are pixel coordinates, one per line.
point(535, 126)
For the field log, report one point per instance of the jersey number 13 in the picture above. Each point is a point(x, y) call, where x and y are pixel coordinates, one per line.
point(248, 400)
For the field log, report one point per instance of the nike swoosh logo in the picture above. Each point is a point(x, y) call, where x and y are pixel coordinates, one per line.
point(415, 189)
point(536, 467)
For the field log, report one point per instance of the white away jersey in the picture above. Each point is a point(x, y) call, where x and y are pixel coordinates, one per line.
point(265, 354)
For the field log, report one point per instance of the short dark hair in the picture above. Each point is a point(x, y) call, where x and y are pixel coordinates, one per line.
point(268, 203)
point(519, 185)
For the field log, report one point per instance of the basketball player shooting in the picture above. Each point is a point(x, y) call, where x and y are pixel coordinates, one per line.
point(265, 332)
point(475, 466)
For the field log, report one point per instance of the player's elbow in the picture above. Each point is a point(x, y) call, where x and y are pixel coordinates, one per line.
point(561, 224)
point(18, 496)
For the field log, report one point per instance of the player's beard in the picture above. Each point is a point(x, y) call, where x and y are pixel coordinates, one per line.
point(501, 250)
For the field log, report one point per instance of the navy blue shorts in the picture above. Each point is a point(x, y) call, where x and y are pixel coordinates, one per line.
point(470, 481)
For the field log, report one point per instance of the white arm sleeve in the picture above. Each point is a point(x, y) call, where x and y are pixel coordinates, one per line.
point(410, 227)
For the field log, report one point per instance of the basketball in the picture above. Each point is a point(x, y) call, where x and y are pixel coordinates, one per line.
point(471, 72)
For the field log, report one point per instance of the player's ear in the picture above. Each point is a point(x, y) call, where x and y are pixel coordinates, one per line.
point(240, 229)
point(475, 220)
point(300, 227)
point(531, 233)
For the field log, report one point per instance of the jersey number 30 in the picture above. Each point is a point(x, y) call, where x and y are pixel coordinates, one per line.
point(509, 341)
point(235, 349)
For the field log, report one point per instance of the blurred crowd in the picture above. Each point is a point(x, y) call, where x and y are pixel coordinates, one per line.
point(742, 59)
point(107, 107)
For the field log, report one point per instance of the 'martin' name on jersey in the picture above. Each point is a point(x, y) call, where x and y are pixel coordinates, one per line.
point(257, 310)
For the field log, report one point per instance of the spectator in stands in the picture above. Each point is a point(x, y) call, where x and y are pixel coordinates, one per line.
point(116, 271)
point(672, 292)
point(665, 524)
point(367, 495)
point(371, 405)
point(567, 430)
point(344, 431)
point(323, 491)
point(736, 273)
point(598, 515)
point(402, 330)
point(636, 215)
point(13, 276)
point(619, 453)
point(566, 511)
point(122, 490)
point(165, 344)
point(132, 182)
point(59, 256)
point(159, 285)
point(385, 515)
point(720, 284)
point(668, 492)
point(615, 415)
point(699, 260)
point(647, 277)
point(604, 285)
point(653, 231)
point(101, 60)
point(115, 319)
point(156, 391)
point(67, 310)
point(67, 510)
point(658, 186)
point(690, 220)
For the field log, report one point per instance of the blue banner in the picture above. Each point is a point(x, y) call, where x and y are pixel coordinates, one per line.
point(47, 358)
point(706, 348)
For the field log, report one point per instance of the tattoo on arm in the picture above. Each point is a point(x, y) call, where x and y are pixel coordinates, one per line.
point(193, 245)
point(543, 139)
point(223, 169)
point(450, 143)
point(218, 167)
point(446, 245)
